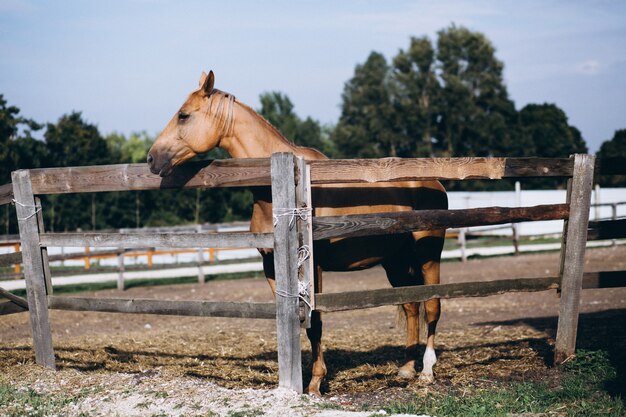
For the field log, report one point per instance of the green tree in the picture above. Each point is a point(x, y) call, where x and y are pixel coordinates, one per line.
point(547, 127)
point(18, 149)
point(278, 109)
point(416, 93)
point(368, 126)
point(475, 114)
point(613, 148)
point(128, 150)
point(74, 142)
point(136, 147)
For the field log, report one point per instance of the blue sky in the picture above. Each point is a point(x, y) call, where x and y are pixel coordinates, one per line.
point(128, 65)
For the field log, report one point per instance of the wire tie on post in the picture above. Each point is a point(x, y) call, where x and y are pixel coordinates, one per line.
point(303, 292)
point(304, 252)
point(35, 207)
point(292, 213)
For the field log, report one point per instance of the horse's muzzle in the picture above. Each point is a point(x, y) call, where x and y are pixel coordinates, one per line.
point(161, 168)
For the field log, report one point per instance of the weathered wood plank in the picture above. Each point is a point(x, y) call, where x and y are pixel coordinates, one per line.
point(161, 240)
point(44, 251)
point(305, 241)
point(402, 222)
point(574, 257)
point(166, 307)
point(9, 239)
point(22, 302)
point(120, 270)
point(286, 273)
point(123, 177)
point(327, 302)
point(606, 229)
point(78, 255)
point(7, 307)
point(33, 268)
point(404, 169)
point(6, 194)
point(255, 172)
point(11, 275)
point(7, 259)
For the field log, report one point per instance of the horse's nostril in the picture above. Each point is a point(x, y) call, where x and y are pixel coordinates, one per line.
point(150, 158)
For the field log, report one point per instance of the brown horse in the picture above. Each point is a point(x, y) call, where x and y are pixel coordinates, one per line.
point(212, 118)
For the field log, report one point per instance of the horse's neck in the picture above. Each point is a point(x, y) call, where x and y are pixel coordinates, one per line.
point(254, 137)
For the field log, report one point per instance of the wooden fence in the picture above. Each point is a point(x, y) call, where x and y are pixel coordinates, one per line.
point(88, 255)
point(291, 180)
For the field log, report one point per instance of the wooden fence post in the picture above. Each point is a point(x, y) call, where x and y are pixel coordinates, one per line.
point(305, 240)
point(120, 269)
point(34, 274)
point(200, 259)
point(44, 251)
point(573, 256)
point(286, 272)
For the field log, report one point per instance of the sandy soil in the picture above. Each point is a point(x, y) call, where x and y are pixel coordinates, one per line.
point(482, 342)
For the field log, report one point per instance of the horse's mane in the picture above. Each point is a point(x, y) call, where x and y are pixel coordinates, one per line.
point(225, 119)
point(230, 117)
point(222, 115)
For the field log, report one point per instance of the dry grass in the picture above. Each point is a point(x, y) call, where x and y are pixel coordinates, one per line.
point(482, 343)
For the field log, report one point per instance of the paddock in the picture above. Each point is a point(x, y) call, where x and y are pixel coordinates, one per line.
point(482, 343)
point(568, 276)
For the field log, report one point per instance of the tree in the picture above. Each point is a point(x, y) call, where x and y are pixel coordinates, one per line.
point(74, 142)
point(368, 125)
point(616, 147)
point(416, 93)
point(18, 149)
point(475, 113)
point(551, 135)
point(278, 109)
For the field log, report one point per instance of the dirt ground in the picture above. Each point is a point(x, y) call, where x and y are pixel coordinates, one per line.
point(480, 342)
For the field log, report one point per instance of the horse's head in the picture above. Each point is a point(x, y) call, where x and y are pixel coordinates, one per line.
point(198, 126)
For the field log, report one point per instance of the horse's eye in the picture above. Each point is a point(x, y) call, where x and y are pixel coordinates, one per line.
point(182, 116)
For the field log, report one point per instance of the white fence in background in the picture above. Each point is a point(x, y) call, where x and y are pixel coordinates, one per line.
point(464, 200)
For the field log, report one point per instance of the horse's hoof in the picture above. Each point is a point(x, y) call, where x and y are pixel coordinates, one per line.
point(427, 379)
point(406, 373)
point(313, 392)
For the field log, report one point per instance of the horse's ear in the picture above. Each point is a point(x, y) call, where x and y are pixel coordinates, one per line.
point(207, 82)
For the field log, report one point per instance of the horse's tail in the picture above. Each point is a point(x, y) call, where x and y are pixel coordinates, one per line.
point(400, 317)
point(421, 317)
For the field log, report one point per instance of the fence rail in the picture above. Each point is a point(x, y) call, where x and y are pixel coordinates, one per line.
point(176, 240)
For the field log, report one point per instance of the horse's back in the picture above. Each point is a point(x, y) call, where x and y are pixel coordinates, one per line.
point(364, 252)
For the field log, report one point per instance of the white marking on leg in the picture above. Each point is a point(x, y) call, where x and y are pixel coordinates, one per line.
point(430, 359)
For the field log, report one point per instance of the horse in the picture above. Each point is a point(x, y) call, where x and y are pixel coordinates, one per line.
point(211, 118)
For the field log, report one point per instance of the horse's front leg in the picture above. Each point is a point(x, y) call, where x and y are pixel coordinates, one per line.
point(430, 271)
point(314, 333)
point(318, 371)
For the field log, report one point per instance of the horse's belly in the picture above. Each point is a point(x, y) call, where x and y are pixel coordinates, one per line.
point(358, 253)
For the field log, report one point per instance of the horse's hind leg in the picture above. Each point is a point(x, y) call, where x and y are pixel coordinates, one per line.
point(401, 272)
point(419, 266)
point(411, 311)
point(314, 334)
